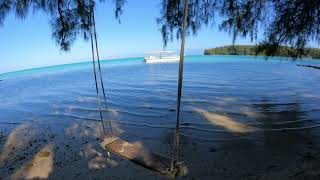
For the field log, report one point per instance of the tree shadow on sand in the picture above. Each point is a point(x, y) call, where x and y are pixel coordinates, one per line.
point(279, 143)
point(34, 151)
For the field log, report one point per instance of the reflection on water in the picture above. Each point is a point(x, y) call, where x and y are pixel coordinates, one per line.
point(234, 109)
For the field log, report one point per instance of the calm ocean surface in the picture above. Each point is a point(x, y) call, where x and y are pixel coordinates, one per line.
point(244, 88)
point(224, 98)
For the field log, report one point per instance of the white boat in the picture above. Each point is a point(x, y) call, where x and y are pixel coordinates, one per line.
point(161, 57)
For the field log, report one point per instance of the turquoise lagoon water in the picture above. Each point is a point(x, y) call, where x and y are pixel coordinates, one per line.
point(224, 98)
point(146, 93)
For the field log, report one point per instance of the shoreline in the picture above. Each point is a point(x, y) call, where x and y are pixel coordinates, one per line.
point(28, 70)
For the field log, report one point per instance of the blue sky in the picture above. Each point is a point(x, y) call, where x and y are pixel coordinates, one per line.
point(28, 43)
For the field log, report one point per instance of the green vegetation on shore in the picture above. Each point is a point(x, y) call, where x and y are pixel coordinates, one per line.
point(253, 50)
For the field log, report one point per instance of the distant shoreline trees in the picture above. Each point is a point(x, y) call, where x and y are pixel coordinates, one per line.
point(254, 50)
point(292, 23)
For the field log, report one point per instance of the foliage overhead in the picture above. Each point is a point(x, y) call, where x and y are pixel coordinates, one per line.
point(293, 23)
point(199, 12)
point(69, 18)
point(290, 23)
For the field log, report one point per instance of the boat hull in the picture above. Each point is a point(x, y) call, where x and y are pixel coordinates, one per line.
point(162, 60)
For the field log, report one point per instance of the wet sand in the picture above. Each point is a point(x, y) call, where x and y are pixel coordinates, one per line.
point(32, 151)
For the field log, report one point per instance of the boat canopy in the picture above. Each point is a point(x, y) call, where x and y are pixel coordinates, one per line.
point(159, 52)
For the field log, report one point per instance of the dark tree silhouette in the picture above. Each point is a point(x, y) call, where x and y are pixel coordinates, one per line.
point(252, 50)
point(291, 23)
point(69, 18)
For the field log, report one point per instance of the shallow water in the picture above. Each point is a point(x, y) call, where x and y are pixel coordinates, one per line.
point(225, 98)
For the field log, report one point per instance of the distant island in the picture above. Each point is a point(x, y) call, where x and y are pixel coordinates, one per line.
point(252, 50)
